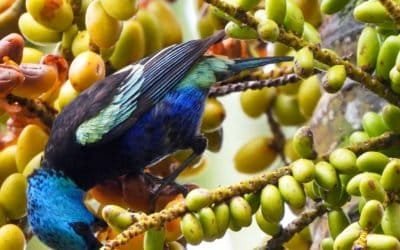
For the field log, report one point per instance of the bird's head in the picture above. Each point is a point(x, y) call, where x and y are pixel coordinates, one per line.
point(56, 212)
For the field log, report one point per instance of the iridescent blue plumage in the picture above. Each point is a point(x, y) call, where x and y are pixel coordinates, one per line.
point(121, 125)
point(57, 213)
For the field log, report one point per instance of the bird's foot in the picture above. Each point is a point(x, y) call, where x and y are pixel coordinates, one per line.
point(198, 145)
point(158, 194)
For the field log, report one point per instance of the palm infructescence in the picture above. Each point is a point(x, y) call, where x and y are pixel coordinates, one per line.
point(122, 124)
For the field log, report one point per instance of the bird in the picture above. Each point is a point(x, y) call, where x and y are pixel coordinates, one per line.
point(123, 123)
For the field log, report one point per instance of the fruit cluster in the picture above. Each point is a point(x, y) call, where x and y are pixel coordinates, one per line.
point(102, 26)
point(89, 39)
point(93, 38)
point(333, 179)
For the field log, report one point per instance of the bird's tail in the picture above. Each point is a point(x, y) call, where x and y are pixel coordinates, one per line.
point(242, 64)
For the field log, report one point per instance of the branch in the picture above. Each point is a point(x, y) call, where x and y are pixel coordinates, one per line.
point(386, 140)
point(278, 141)
point(34, 108)
point(393, 9)
point(257, 75)
point(226, 89)
point(157, 220)
point(298, 224)
point(324, 56)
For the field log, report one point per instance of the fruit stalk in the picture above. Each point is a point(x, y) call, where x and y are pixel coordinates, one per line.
point(33, 108)
point(324, 56)
point(226, 89)
point(393, 10)
point(383, 141)
point(257, 75)
point(279, 139)
point(156, 220)
point(298, 224)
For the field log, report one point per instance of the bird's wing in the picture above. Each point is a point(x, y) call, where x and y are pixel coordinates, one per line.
point(145, 85)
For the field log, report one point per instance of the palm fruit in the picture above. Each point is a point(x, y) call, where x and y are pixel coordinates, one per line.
point(104, 30)
point(391, 220)
point(373, 124)
point(371, 12)
point(209, 223)
point(12, 238)
point(332, 6)
point(87, 68)
point(304, 62)
point(151, 30)
point(255, 155)
point(391, 117)
point(192, 229)
point(308, 95)
point(372, 162)
point(39, 78)
point(8, 164)
point(303, 143)
point(347, 237)
point(222, 216)
point(337, 221)
point(292, 192)
point(55, 15)
point(169, 25)
point(13, 196)
point(276, 10)
point(31, 141)
point(31, 55)
point(213, 116)
point(255, 102)
point(272, 206)
point(286, 109)
point(240, 211)
point(266, 226)
point(294, 19)
point(80, 43)
point(35, 32)
point(10, 12)
point(154, 239)
point(33, 164)
point(130, 47)
point(371, 215)
point(197, 199)
point(344, 161)
point(237, 31)
point(335, 78)
point(368, 49)
point(325, 175)
point(303, 170)
point(311, 11)
point(122, 9)
point(387, 57)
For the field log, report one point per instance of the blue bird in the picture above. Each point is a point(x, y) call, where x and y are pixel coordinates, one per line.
point(130, 120)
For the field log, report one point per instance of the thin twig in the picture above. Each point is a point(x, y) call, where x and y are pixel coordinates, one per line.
point(278, 142)
point(393, 9)
point(226, 89)
point(298, 224)
point(325, 56)
point(257, 75)
point(386, 140)
point(383, 141)
point(218, 195)
point(34, 107)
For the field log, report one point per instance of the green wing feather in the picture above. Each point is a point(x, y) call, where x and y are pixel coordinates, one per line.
point(146, 85)
point(118, 111)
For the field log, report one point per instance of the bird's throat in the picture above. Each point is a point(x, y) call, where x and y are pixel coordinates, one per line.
point(55, 204)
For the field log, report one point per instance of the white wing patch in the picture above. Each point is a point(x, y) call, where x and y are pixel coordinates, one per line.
point(122, 106)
